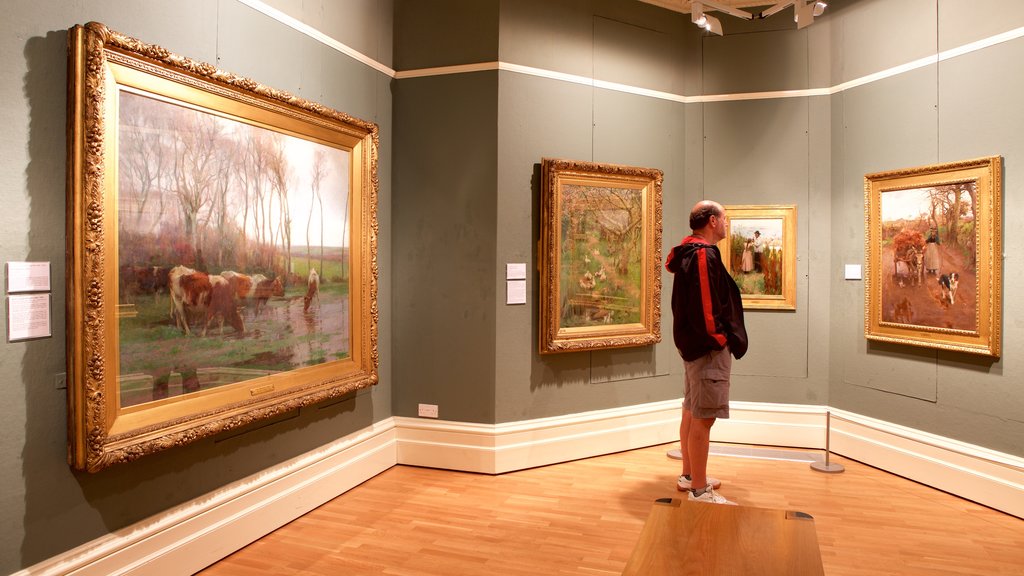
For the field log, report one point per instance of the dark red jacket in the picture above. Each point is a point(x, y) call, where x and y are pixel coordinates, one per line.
point(707, 308)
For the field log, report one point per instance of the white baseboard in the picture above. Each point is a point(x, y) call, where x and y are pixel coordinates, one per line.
point(498, 448)
point(974, 473)
point(193, 535)
point(196, 534)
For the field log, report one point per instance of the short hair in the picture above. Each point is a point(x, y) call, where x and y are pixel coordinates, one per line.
point(702, 213)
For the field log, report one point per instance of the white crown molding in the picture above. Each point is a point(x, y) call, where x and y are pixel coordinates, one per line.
point(188, 537)
point(319, 36)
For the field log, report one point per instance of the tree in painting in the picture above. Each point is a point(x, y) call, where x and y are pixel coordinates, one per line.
point(601, 251)
point(212, 214)
point(928, 256)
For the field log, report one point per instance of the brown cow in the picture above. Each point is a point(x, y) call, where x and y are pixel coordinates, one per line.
point(256, 288)
point(200, 292)
point(263, 289)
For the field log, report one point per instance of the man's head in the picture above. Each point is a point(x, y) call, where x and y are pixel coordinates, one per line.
point(707, 219)
point(757, 233)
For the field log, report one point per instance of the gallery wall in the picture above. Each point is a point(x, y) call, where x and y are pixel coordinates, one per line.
point(45, 508)
point(624, 43)
point(767, 120)
point(965, 106)
point(459, 199)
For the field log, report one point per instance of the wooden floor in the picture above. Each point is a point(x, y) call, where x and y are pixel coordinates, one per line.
point(584, 517)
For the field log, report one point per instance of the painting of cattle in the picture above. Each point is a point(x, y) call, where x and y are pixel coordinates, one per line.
point(221, 250)
point(218, 250)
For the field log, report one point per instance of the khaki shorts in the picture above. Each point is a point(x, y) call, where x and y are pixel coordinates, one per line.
point(707, 385)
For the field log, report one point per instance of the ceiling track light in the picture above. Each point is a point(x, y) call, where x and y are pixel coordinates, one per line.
point(804, 11)
point(707, 22)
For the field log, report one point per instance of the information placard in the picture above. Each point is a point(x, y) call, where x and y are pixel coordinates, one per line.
point(28, 277)
point(28, 317)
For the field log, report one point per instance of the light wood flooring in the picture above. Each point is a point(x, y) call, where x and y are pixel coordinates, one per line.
point(584, 517)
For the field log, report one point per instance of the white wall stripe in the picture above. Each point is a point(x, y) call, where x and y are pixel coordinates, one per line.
point(981, 44)
point(586, 81)
point(316, 35)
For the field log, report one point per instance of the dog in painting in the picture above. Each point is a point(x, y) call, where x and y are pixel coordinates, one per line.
point(947, 286)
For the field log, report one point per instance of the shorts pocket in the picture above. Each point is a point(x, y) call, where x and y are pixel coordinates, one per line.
point(715, 374)
point(714, 394)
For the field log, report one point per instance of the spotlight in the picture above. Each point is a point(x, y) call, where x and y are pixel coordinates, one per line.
point(804, 11)
point(697, 15)
point(710, 23)
point(713, 25)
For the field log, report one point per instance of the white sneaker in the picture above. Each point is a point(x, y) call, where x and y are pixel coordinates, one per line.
point(711, 497)
point(682, 484)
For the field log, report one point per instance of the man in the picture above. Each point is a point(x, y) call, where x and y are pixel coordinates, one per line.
point(707, 327)
point(758, 251)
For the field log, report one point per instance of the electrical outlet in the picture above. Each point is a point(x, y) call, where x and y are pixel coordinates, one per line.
point(60, 381)
point(428, 410)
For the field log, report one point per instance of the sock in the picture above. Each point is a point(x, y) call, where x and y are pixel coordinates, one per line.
point(697, 493)
point(687, 476)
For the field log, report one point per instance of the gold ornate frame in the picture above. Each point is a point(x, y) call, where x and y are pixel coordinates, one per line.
point(629, 200)
point(905, 299)
point(101, 431)
point(786, 214)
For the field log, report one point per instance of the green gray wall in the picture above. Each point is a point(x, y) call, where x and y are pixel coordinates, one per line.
point(459, 199)
point(613, 41)
point(811, 151)
point(445, 213)
point(963, 107)
point(45, 508)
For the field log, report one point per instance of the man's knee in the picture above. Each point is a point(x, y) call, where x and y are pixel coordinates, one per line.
point(704, 422)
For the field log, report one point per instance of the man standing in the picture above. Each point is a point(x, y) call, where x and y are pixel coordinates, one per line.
point(758, 252)
point(707, 327)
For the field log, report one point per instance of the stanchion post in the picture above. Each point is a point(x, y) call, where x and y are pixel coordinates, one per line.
point(827, 467)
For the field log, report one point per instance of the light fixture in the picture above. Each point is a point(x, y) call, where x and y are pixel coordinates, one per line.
point(713, 25)
point(699, 17)
point(804, 11)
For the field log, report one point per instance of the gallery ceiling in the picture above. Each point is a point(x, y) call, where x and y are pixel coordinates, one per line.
point(684, 5)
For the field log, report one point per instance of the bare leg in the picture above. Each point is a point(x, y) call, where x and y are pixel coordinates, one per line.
point(684, 434)
point(698, 444)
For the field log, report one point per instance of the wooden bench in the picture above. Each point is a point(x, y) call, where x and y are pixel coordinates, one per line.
point(682, 537)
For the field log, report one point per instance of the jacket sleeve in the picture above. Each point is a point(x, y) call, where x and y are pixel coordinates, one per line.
point(705, 302)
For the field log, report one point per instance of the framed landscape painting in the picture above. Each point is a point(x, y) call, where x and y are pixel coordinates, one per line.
point(221, 250)
point(759, 250)
point(934, 256)
point(600, 274)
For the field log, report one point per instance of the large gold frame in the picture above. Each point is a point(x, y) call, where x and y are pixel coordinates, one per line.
point(888, 322)
point(647, 181)
point(101, 431)
point(786, 213)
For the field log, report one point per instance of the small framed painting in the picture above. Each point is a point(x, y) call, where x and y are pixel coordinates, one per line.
point(759, 250)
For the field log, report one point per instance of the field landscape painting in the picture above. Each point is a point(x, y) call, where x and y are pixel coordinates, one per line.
point(221, 250)
point(928, 261)
point(600, 256)
point(759, 251)
point(223, 228)
point(934, 258)
point(601, 259)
